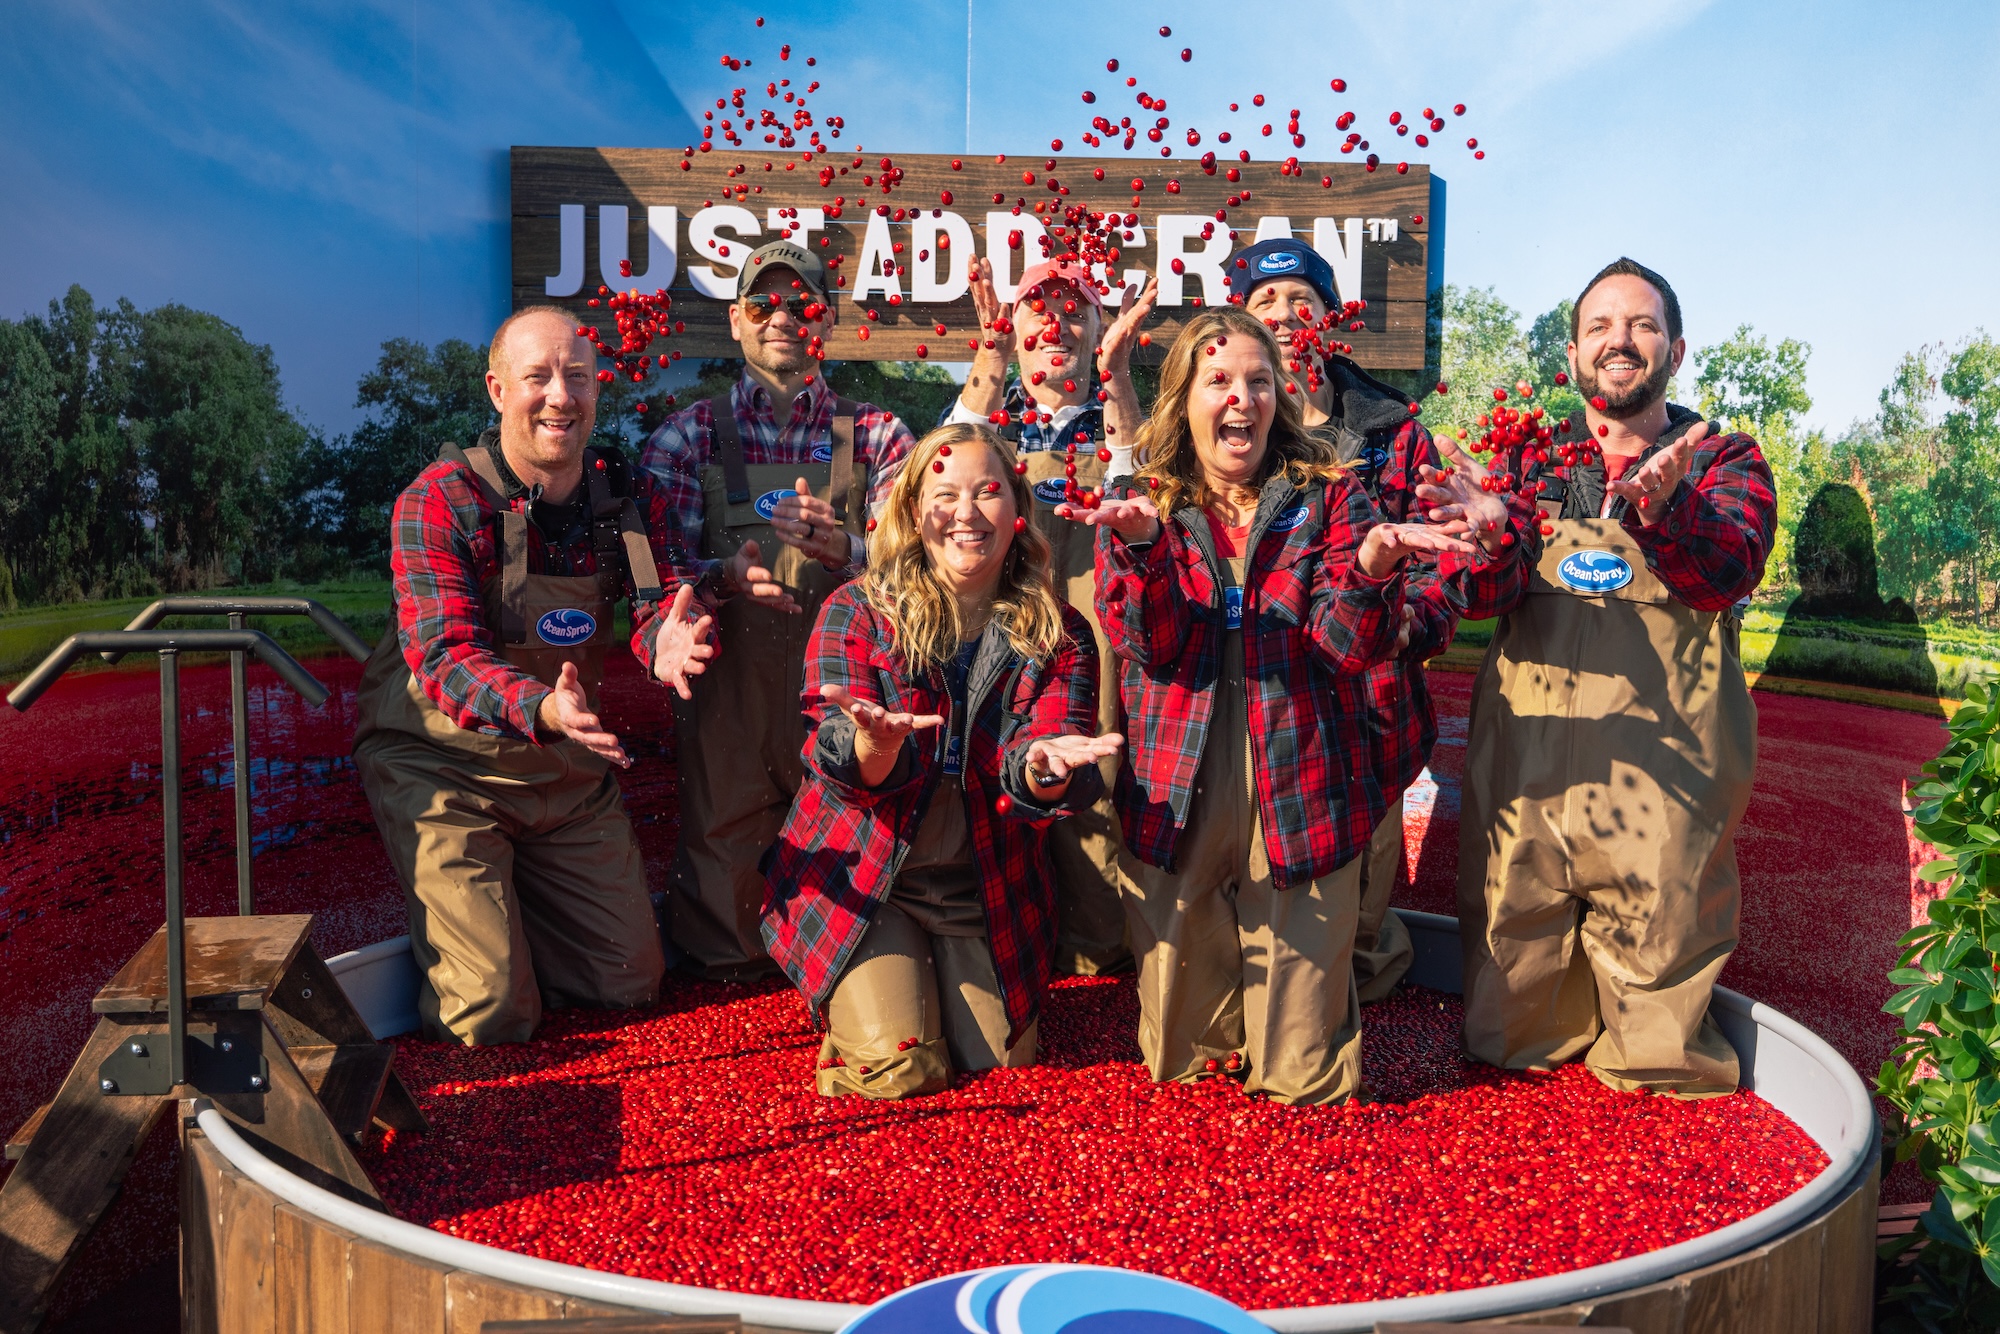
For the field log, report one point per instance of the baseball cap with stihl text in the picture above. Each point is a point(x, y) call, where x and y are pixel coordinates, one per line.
point(782, 255)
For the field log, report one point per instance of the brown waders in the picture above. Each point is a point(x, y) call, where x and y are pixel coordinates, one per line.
point(1233, 969)
point(740, 736)
point(1612, 747)
point(920, 999)
point(1383, 950)
point(522, 876)
point(1088, 849)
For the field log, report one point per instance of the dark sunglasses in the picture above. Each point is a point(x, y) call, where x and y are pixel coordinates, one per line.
point(760, 309)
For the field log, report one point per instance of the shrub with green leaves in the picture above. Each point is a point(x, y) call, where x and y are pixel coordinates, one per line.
point(1943, 1078)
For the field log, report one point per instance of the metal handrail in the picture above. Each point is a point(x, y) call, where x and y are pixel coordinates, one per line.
point(237, 609)
point(170, 644)
point(336, 629)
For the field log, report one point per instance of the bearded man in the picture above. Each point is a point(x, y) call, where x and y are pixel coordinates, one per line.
point(1613, 739)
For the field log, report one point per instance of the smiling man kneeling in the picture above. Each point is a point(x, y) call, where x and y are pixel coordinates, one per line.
point(479, 743)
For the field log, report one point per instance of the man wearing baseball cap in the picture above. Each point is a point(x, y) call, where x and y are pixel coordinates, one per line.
point(1290, 286)
point(778, 477)
point(1066, 428)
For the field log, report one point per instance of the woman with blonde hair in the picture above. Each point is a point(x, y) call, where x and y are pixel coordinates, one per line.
point(1238, 573)
point(952, 701)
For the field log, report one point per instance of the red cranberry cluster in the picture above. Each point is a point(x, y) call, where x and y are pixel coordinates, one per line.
point(689, 1144)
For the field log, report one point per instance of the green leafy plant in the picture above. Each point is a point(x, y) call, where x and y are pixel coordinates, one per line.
point(1943, 1078)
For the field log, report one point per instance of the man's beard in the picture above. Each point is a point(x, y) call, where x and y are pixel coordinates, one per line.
point(1634, 399)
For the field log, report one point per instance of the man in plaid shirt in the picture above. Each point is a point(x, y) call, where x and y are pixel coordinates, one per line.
point(776, 479)
point(1613, 739)
point(486, 765)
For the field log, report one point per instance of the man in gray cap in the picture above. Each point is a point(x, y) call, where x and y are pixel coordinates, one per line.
point(778, 477)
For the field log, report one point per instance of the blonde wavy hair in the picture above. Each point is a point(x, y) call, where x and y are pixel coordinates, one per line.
point(1165, 453)
point(905, 590)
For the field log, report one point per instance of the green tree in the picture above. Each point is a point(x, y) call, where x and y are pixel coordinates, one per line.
point(205, 407)
point(91, 537)
point(1744, 378)
point(1483, 350)
point(1965, 484)
point(417, 398)
point(30, 403)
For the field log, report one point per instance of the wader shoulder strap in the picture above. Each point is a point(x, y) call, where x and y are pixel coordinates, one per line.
point(511, 527)
point(618, 535)
point(845, 474)
point(726, 446)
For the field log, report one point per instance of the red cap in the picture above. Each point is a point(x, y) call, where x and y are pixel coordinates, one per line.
point(1050, 270)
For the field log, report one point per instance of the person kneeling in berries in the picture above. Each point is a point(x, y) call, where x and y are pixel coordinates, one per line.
point(1238, 573)
point(952, 699)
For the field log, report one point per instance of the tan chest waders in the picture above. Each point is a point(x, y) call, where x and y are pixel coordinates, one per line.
point(1092, 867)
point(1612, 747)
point(740, 736)
point(1237, 976)
point(522, 877)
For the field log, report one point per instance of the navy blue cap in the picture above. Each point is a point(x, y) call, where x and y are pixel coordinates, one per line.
point(1282, 257)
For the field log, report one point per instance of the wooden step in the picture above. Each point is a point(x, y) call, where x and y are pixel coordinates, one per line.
point(619, 1324)
point(233, 963)
point(17, 1143)
point(1899, 1220)
point(348, 1082)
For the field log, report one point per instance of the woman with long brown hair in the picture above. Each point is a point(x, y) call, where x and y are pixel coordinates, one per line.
point(953, 702)
point(1238, 573)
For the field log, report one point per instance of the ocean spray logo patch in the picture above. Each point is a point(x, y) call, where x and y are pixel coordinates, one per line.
point(767, 504)
point(822, 453)
point(566, 626)
point(1052, 490)
point(1279, 261)
point(1291, 518)
point(1594, 571)
point(1045, 1299)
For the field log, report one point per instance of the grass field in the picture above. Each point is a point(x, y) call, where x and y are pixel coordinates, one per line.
point(27, 636)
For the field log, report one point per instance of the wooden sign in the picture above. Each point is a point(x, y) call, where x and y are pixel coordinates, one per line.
point(901, 248)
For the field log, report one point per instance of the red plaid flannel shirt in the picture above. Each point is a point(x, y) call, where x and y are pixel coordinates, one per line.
point(1309, 614)
point(1720, 523)
point(684, 444)
point(1395, 694)
point(442, 552)
point(838, 853)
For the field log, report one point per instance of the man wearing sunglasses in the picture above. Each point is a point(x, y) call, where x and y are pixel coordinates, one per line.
point(778, 477)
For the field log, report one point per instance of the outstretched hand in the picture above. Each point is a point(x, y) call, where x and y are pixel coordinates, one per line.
point(1120, 336)
point(1388, 545)
point(749, 577)
point(565, 711)
point(805, 521)
point(1057, 757)
point(1457, 499)
point(1649, 488)
point(1136, 519)
point(682, 648)
point(884, 730)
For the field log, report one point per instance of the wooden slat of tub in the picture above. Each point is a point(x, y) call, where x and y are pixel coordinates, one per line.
point(473, 1302)
point(310, 1274)
point(392, 1293)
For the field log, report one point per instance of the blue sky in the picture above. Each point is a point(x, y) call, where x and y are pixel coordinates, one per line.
point(330, 175)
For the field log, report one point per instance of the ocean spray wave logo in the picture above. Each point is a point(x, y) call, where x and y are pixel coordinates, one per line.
point(1291, 518)
point(1047, 1299)
point(1279, 261)
point(822, 453)
point(1594, 571)
point(1052, 490)
point(767, 504)
point(566, 626)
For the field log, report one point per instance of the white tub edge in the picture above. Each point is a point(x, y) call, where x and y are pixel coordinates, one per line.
point(385, 970)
